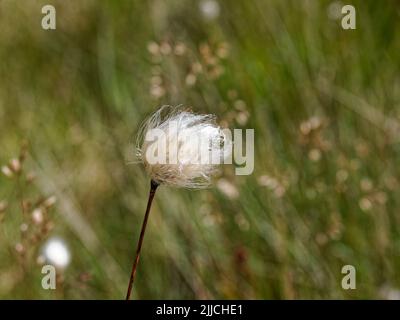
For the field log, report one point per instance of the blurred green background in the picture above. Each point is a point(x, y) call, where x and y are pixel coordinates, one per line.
point(324, 103)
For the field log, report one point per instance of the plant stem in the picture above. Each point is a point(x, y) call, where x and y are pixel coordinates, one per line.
point(153, 188)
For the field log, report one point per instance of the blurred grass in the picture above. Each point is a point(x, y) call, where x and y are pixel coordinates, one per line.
point(324, 103)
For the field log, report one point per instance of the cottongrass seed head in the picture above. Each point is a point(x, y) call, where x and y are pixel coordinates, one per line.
point(56, 252)
point(192, 147)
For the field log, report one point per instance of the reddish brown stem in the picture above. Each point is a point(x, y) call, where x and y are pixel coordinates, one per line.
point(153, 189)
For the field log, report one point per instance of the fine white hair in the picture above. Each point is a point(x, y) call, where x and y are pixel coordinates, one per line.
point(183, 153)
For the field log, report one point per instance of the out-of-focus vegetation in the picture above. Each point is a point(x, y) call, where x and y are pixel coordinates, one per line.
point(324, 103)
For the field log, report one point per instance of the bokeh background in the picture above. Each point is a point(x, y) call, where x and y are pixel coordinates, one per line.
point(324, 103)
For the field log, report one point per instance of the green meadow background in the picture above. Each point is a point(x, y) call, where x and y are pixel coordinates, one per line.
point(325, 106)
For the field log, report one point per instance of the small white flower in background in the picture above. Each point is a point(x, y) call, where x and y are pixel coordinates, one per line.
point(189, 152)
point(37, 216)
point(210, 9)
point(56, 252)
point(15, 165)
point(3, 205)
point(19, 247)
point(50, 201)
point(228, 188)
point(7, 171)
point(334, 10)
point(23, 227)
point(389, 293)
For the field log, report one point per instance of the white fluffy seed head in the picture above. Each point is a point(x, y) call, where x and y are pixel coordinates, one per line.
point(56, 253)
point(184, 149)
